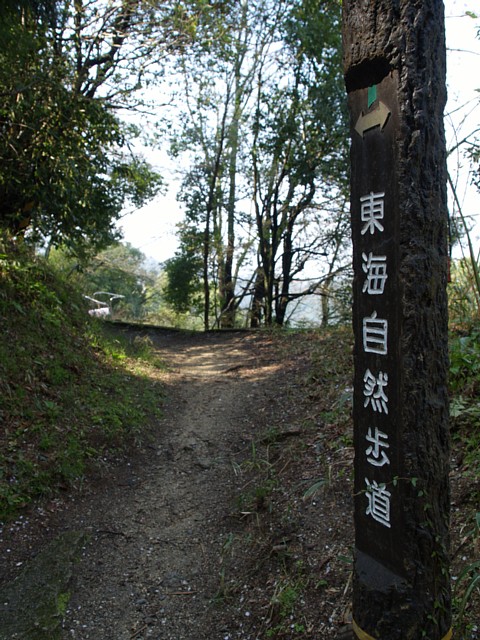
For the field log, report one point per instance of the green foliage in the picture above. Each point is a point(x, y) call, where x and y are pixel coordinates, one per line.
point(290, 588)
point(465, 390)
point(67, 397)
point(463, 294)
point(66, 169)
point(263, 120)
point(148, 295)
point(120, 269)
point(313, 32)
point(183, 287)
point(465, 414)
point(465, 363)
point(257, 497)
point(468, 581)
point(300, 156)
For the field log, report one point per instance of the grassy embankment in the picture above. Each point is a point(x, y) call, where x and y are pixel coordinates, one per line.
point(69, 396)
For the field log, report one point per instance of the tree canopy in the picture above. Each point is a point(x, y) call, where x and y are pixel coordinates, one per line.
point(67, 165)
point(259, 129)
point(263, 143)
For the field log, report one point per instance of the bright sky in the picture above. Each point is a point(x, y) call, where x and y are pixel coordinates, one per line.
point(152, 228)
point(463, 106)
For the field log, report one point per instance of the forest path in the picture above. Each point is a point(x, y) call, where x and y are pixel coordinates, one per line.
point(152, 567)
point(205, 532)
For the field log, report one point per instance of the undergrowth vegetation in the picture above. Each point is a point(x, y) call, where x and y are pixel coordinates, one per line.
point(72, 395)
point(465, 429)
point(293, 504)
point(294, 473)
point(465, 387)
point(69, 396)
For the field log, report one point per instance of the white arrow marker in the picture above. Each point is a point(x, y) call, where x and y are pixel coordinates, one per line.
point(377, 118)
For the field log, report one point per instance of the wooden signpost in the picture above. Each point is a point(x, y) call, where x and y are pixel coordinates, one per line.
point(394, 60)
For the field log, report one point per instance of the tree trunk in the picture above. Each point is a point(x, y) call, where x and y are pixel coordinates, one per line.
point(394, 63)
point(258, 299)
point(206, 281)
point(325, 303)
point(228, 284)
point(282, 300)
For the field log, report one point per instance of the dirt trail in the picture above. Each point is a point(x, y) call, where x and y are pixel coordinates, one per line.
point(206, 533)
point(152, 567)
point(233, 523)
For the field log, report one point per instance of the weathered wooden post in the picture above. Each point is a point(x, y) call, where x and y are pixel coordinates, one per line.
point(394, 63)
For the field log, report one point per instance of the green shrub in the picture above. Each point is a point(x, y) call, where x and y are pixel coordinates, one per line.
point(68, 395)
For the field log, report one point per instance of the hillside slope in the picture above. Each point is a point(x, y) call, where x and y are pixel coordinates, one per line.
point(236, 519)
point(68, 396)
